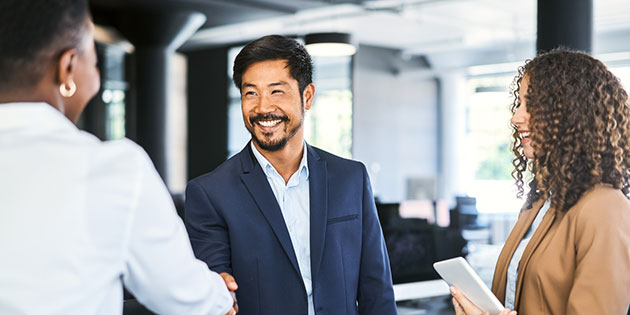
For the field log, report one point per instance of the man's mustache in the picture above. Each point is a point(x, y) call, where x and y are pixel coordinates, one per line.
point(259, 117)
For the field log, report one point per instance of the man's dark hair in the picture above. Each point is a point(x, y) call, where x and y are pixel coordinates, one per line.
point(276, 47)
point(34, 32)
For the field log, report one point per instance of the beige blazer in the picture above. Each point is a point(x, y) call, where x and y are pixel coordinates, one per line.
point(577, 262)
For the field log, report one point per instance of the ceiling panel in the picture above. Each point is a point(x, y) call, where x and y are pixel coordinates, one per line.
point(436, 28)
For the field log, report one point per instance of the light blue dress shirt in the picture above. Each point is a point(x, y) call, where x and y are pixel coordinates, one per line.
point(512, 273)
point(293, 199)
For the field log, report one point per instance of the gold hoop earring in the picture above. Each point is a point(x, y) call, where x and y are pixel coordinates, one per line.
point(67, 89)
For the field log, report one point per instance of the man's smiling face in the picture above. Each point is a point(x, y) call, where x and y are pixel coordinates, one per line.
point(273, 109)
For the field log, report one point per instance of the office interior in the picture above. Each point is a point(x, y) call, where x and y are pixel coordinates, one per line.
point(423, 103)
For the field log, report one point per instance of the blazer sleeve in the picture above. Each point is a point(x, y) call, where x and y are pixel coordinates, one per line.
point(602, 276)
point(207, 229)
point(376, 294)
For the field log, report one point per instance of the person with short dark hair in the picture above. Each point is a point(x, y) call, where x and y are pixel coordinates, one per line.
point(569, 252)
point(80, 217)
point(296, 226)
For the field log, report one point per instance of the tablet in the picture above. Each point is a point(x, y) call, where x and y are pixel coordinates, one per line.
point(457, 272)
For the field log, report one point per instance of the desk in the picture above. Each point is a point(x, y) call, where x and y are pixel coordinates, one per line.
point(438, 305)
point(419, 290)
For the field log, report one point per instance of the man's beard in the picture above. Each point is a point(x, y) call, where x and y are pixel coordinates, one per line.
point(273, 145)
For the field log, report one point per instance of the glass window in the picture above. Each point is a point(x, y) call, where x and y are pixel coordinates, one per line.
point(115, 113)
point(489, 133)
point(623, 73)
point(237, 133)
point(328, 125)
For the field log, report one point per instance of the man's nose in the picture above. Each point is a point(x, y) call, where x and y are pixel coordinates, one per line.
point(266, 105)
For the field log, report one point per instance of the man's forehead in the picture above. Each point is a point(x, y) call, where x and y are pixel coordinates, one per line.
point(268, 72)
point(283, 63)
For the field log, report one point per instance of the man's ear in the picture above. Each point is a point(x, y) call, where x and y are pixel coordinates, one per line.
point(308, 95)
point(66, 66)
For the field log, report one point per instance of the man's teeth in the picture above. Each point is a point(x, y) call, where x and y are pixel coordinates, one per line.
point(269, 123)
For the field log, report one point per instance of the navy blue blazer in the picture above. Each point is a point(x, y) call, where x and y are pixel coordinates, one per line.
point(235, 226)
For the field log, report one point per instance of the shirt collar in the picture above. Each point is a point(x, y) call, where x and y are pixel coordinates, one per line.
point(32, 116)
point(268, 167)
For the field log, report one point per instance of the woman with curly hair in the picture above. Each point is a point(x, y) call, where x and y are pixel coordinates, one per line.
point(569, 252)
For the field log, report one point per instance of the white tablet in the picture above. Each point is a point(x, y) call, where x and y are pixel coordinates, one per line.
point(457, 272)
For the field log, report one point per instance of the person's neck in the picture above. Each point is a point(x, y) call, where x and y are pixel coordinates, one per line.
point(33, 95)
point(287, 160)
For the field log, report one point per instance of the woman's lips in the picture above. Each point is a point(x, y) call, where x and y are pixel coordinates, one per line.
point(525, 137)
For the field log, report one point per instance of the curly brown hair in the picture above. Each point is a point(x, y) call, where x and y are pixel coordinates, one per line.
point(579, 128)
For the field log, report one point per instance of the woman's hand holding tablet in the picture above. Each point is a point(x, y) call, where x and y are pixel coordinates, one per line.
point(470, 294)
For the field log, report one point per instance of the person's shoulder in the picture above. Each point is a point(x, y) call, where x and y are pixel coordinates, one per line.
point(335, 160)
point(604, 195)
point(230, 168)
point(121, 150)
point(119, 157)
point(602, 203)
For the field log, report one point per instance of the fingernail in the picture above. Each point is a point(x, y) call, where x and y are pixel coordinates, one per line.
point(453, 291)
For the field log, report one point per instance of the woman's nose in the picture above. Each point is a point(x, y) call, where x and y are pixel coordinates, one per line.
point(516, 120)
point(519, 116)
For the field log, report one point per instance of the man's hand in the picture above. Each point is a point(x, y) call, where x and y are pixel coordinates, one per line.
point(463, 306)
point(230, 283)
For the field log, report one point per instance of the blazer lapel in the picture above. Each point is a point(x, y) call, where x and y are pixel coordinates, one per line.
point(256, 182)
point(318, 190)
point(538, 236)
point(515, 237)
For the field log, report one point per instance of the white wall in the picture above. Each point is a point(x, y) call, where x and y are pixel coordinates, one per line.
point(395, 131)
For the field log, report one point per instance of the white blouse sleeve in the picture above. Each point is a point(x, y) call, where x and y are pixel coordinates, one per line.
point(161, 270)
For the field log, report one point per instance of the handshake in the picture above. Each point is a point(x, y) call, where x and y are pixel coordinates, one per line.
point(232, 286)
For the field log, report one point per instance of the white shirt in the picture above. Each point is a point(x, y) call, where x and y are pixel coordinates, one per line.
point(512, 273)
point(293, 198)
point(80, 217)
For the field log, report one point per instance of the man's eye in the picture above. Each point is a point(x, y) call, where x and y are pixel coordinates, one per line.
point(276, 91)
point(250, 93)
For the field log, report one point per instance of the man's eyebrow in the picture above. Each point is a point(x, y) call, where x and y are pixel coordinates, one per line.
point(278, 83)
point(249, 85)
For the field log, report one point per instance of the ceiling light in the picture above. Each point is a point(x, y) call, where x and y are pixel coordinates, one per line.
point(329, 44)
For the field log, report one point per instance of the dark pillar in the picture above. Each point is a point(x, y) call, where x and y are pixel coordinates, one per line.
point(567, 23)
point(151, 67)
point(155, 33)
point(207, 109)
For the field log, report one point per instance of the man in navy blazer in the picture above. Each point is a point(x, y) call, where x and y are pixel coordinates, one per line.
point(295, 226)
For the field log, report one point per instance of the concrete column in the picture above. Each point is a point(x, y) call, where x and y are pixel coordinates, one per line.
point(155, 32)
point(454, 173)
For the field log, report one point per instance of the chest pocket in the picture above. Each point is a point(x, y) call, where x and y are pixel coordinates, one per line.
point(344, 218)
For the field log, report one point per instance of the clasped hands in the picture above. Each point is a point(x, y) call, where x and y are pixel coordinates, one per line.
point(232, 286)
point(463, 306)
